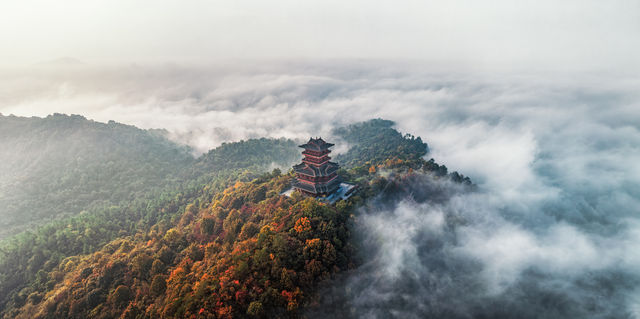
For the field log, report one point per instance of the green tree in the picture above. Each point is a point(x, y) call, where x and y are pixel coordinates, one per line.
point(142, 265)
point(158, 285)
point(157, 267)
point(255, 309)
point(207, 226)
point(122, 295)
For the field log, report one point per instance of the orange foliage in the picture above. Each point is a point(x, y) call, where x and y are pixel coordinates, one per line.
point(302, 225)
point(216, 274)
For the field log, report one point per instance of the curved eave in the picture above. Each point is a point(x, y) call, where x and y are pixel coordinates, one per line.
point(313, 171)
point(316, 147)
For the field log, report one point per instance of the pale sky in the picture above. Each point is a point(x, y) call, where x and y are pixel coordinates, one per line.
point(569, 34)
point(555, 155)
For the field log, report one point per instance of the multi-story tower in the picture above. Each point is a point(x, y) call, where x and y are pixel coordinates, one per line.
point(316, 175)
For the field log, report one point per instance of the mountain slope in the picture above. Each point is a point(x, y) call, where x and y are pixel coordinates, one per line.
point(25, 257)
point(248, 251)
point(206, 251)
point(375, 141)
point(65, 164)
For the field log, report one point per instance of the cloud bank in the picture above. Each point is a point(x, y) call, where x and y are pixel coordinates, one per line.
point(438, 251)
point(550, 234)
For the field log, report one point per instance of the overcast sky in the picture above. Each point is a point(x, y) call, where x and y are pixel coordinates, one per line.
point(566, 34)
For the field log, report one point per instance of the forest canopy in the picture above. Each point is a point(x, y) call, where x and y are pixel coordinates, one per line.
point(217, 240)
point(62, 165)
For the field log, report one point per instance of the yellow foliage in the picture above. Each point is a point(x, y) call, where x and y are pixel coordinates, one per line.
point(69, 266)
point(266, 229)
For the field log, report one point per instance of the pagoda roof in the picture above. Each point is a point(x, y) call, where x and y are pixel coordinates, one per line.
point(318, 188)
point(316, 144)
point(311, 170)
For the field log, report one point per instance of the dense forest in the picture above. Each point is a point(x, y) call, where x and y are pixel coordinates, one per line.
point(221, 243)
point(62, 165)
point(66, 164)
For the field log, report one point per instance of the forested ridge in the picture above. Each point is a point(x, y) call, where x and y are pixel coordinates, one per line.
point(223, 243)
point(65, 164)
point(62, 165)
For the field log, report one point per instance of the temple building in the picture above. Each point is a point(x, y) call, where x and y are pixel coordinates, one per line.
point(316, 176)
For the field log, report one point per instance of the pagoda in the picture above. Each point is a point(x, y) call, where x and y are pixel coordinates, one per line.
point(316, 176)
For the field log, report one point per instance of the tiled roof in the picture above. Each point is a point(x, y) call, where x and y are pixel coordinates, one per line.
point(318, 188)
point(311, 170)
point(316, 144)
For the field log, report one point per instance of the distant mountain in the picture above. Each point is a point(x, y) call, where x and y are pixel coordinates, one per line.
point(65, 164)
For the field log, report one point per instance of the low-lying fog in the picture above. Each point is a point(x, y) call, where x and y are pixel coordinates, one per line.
point(552, 231)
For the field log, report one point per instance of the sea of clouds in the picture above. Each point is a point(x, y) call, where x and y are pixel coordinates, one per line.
point(552, 231)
